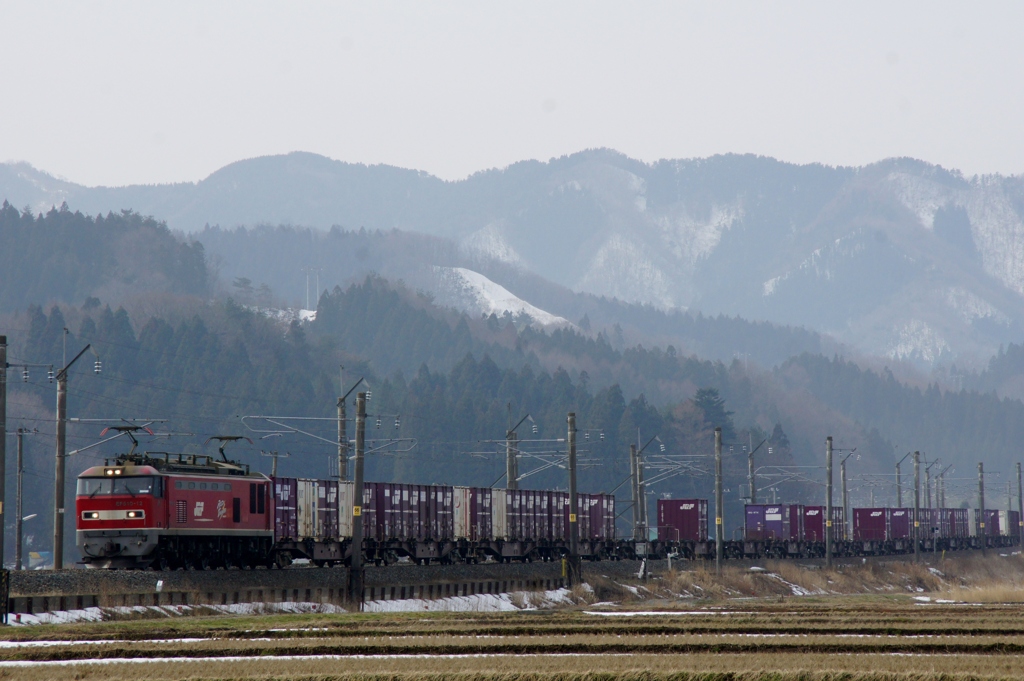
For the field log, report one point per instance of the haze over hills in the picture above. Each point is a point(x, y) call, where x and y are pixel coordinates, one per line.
point(899, 259)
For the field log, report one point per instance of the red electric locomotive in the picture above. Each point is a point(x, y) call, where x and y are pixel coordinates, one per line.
point(173, 511)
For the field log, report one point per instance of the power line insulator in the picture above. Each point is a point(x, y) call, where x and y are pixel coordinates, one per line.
point(49, 375)
point(97, 366)
point(378, 423)
point(24, 375)
point(398, 422)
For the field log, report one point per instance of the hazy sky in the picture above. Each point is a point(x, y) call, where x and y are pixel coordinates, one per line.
point(142, 92)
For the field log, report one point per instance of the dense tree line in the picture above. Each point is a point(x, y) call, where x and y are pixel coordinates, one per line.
point(67, 256)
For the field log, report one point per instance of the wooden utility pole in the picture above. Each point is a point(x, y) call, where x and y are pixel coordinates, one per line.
point(719, 511)
point(355, 573)
point(574, 554)
point(828, 502)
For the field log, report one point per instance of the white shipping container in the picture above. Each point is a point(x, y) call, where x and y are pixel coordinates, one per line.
point(308, 505)
point(1004, 523)
point(346, 490)
point(972, 522)
point(461, 510)
point(499, 514)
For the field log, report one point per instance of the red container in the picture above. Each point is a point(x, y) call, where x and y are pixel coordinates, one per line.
point(871, 524)
point(286, 522)
point(559, 516)
point(814, 523)
point(683, 520)
point(795, 516)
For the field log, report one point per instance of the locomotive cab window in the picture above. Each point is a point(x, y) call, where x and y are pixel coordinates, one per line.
point(131, 486)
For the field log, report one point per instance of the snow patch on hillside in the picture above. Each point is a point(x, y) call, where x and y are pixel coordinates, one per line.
point(922, 196)
point(621, 269)
point(998, 231)
point(490, 242)
point(691, 240)
point(480, 295)
point(971, 307)
point(996, 224)
point(916, 340)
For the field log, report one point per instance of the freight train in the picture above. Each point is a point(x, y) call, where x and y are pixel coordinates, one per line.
point(174, 511)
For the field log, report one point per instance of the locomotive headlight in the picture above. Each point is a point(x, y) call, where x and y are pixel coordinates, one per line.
point(131, 514)
point(109, 472)
point(90, 515)
point(117, 471)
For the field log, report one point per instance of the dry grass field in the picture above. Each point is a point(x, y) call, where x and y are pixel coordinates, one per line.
point(868, 621)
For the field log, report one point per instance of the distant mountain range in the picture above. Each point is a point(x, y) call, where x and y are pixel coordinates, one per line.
point(899, 259)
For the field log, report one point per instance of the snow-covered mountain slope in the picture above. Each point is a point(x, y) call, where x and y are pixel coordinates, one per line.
point(900, 258)
point(475, 294)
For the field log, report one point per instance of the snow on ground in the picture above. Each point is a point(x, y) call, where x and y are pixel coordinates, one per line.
point(517, 600)
point(489, 297)
point(155, 611)
point(520, 600)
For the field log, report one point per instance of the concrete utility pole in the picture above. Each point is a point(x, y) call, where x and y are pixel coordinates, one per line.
point(899, 482)
point(981, 506)
point(719, 511)
point(511, 460)
point(828, 502)
point(899, 488)
point(750, 469)
point(1020, 507)
point(342, 441)
point(58, 485)
point(574, 551)
point(634, 489)
point(355, 573)
point(928, 485)
point(917, 506)
point(18, 501)
point(641, 495)
point(845, 495)
point(3, 441)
